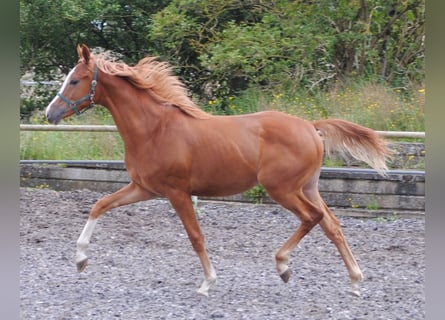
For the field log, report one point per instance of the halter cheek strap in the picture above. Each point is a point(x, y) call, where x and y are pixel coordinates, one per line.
point(90, 96)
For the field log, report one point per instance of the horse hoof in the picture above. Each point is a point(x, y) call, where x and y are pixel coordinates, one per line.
point(81, 265)
point(285, 275)
point(355, 293)
point(355, 289)
point(202, 292)
point(204, 289)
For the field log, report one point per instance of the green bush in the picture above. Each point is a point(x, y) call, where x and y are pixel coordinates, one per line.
point(220, 48)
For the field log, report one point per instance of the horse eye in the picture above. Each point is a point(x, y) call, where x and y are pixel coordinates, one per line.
point(74, 82)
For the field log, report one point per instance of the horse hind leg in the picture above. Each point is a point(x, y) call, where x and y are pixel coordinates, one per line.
point(309, 216)
point(332, 228)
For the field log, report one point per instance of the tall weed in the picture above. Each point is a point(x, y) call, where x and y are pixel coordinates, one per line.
point(371, 105)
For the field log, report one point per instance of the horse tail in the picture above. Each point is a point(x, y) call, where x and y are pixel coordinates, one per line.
point(360, 142)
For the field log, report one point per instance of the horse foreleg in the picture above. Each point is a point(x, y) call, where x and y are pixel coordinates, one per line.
point(129, 194)
point(182, 203)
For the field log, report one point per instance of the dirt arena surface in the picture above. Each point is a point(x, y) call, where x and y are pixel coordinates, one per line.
point(142, 265)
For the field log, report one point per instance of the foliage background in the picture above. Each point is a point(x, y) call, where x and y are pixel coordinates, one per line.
point(225, 48)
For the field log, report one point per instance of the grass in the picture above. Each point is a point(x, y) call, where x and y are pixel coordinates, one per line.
point(387, 218)
point(60, 145)
point(374, 106)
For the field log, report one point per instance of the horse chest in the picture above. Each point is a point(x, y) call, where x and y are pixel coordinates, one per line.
point(157, 176)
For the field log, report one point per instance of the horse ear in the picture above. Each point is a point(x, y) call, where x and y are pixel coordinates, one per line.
point(84, 53)
point(79, 51)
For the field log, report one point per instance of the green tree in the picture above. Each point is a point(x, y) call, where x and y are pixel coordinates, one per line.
point(51, 30)
point(226, 46)
point(184, 30)
point(222, 47)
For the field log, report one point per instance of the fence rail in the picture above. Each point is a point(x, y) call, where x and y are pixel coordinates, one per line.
point(79, 128)
point(112, 128)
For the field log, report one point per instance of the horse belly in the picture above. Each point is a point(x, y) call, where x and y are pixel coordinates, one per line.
point(225, 154)
point(221, 179)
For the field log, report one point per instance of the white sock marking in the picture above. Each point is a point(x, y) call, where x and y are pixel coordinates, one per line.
point(84, 239)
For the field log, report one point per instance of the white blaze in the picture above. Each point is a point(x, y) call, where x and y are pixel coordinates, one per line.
point(65, 83)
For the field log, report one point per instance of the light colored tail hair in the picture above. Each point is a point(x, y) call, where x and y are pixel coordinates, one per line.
point(360, 142)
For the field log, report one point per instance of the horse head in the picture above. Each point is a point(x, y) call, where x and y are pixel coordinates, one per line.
point(77, 92)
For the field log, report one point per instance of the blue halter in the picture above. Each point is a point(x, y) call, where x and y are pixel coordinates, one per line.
point(90, 96)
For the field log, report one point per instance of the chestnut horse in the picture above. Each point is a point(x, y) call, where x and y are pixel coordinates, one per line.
point(173, 149)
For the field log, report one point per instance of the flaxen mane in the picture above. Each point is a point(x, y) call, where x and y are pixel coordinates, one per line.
point(157, 77)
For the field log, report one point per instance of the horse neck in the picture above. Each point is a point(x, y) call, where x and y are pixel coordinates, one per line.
point(134, 112)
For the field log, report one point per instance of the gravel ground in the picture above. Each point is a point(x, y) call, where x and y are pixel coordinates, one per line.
point(142, 265)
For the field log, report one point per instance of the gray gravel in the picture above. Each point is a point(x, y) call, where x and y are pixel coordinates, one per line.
point(142, 265)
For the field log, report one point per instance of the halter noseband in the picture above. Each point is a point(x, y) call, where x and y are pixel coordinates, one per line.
point(90, 96)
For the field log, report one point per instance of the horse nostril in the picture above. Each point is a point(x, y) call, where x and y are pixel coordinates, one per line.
point(54, 115)
point(53, 120)
point(48, 117)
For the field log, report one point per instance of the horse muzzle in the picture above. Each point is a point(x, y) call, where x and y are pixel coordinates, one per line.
point(54, 114)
